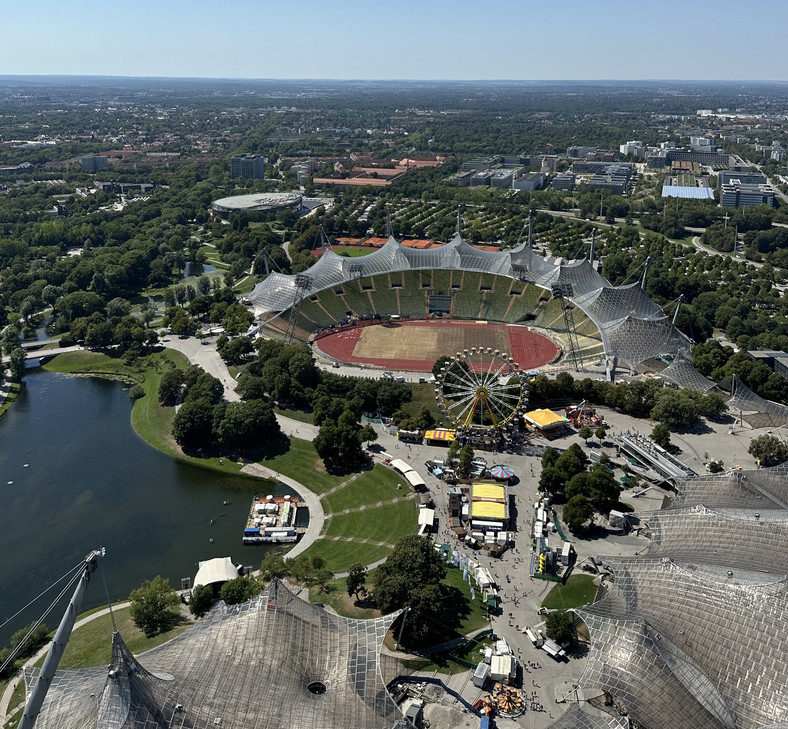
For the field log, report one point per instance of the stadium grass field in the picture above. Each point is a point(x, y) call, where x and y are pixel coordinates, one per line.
point(415, 345)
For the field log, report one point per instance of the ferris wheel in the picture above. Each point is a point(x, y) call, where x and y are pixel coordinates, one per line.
point(481, 390)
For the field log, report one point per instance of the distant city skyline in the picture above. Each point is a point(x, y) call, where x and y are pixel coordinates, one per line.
point(438, 40)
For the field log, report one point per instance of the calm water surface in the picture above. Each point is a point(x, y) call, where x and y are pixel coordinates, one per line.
point(91, 481)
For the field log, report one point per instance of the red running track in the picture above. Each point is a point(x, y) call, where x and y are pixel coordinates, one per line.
point(528, 348)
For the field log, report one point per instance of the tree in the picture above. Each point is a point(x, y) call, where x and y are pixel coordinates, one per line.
point(247, 425)
point(675, 408)
point(17, 364)
point(576, 512)
point(412, 565)
point(560, 627)
point(551, 480)
point(466, 461)
point(201, 600)
point(192, 426)
point(600, 433)
point(170, 387)
point(368, 434)
point(273, 566)
point(239, 590)
point(661, 435)
point(716, 466)
point(769, 450)
point(549, 457)
point(339, 445)
point(154, 606)
point(237, 318)
point(439, 363)
point(356, 579)
point(119, 308)
point(585, 433)
point(309, 570)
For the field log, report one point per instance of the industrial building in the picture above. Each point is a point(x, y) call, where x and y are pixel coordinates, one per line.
point(261, 202)
point(531, 181)
point(564, 181)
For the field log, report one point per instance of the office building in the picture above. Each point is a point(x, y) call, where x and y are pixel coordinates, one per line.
point(737, 194)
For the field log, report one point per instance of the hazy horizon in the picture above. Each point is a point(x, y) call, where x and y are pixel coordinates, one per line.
point(504, 40)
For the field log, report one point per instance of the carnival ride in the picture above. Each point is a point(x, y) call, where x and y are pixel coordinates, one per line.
point(481, 391)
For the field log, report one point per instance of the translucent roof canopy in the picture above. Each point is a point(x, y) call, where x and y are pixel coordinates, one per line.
point(275, 662)
point(692, 633)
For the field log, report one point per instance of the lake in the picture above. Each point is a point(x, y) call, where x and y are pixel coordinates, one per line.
point(82, 479)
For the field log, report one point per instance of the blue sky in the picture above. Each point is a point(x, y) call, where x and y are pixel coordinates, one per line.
point(400, 39)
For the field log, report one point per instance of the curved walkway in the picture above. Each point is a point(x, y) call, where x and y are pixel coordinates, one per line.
point(6, 697)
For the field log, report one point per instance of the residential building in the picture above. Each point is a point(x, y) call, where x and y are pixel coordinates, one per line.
point(633, 148)
point(612, 177)
point(248, 166)
point(94, 162)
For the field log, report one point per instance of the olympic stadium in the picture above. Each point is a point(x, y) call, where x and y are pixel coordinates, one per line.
point(566, 303)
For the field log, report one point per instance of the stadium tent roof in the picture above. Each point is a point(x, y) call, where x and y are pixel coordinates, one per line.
point(632, 326)
point(576, 717)
point(692, 632)
point(247, 666)
point(220, 569)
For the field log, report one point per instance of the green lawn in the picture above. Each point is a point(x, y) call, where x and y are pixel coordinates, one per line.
point(477, 616)
point(578, 590)
point(300, 415)
point(423, 396)
point(301, 462)
point(340, 555)
point(379, 484)
point(338, 599)
point(386, 523)
point(13, 390)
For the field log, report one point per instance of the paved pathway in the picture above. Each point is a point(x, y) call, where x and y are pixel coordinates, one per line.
point(6, 697)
